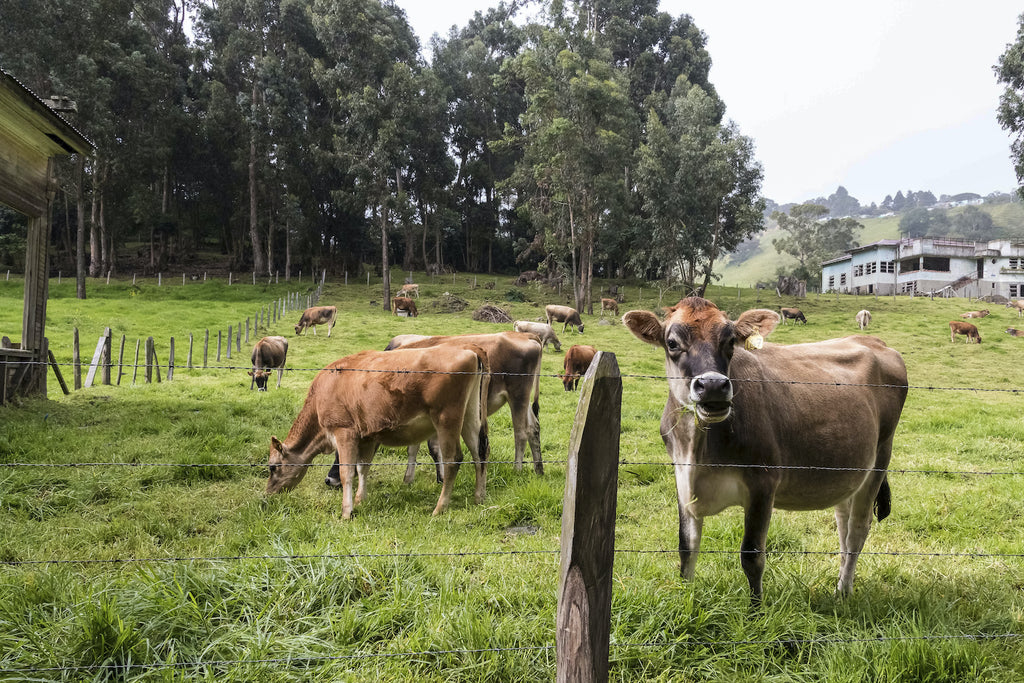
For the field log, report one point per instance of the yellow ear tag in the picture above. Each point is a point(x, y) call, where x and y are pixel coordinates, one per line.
point(754, 341)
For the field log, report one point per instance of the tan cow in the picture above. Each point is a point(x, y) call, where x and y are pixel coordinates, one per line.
point(393, 398)
point(974, 314)
point(863, 319)
point(1014, 332)
point(268, 353)
point(765, 426)
point(403, 303)
point(317, 315)
point(968, 330)
point(609, 305)
point(514, 359)
point(544, 332)
point(565, 315)
point(409, 290)
point(1018, 305)
point(577, 361)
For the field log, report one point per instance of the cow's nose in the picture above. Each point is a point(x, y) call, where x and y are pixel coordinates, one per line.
point(711, 386)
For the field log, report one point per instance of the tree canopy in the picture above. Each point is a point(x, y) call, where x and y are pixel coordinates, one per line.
point(1010, 72)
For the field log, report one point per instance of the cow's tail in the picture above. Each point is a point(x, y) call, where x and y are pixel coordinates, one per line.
point(883, 501)
point(483, 367)
point(536, 393)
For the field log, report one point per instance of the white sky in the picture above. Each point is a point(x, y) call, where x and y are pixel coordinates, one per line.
point(876, 95)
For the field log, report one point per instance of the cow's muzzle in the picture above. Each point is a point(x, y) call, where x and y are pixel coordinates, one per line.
point(711, 397)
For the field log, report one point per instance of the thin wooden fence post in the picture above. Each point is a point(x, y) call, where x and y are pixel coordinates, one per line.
point(583, 618)
point(135, 371)
point(106, 357)
point(229, 343)
point(97, 358)
point(170, 362)
point(238, 338)
point(189, 361)
point(206, 348)
point(220, 336)
point(76, 361)
point(149, 360)
point(120, 361)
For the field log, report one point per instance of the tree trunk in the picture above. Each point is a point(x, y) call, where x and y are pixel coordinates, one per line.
point(80, 237)
point(254, 234)
point(385, 268)
point(95, 257)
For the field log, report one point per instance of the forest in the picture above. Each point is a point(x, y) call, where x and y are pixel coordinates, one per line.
point(288, 135)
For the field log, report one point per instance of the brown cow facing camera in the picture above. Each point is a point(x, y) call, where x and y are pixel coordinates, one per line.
point(404, 303)
point(968, 330)
point(267, 354)
point(609, 305)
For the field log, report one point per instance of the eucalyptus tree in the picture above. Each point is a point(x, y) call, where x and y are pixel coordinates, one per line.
point(810, 238)
point(1010, 72)
point(700, 188)
point(574, 142)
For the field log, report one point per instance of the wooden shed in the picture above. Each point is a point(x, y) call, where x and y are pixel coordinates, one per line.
point(31, 134)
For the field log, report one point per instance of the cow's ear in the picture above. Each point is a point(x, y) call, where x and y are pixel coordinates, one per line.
point(756, 322)
point(276, 445)
point(645, 326)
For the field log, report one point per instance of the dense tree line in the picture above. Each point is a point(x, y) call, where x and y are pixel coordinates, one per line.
point(309, 134)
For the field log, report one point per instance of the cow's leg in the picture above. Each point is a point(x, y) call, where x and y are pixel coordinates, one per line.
point(853, 521)
point(410, 468)
point(756, 518)
point(690, 526)
point(365, 457)
point(347, 446)
point(474, 433)
point(280, 376)
point(435, 455)
point(413, 451)
point(451, 455)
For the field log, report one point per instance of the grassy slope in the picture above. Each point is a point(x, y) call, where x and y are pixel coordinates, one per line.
point(289, 588)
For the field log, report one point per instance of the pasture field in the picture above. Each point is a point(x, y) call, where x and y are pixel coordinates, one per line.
point(135, 535)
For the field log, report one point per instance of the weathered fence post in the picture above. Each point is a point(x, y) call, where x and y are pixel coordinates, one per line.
point(229, 344)
point(106, 356)
point(220, 338)
point(120, 361)
point(150, 354)
point(135, 372)
point(188, 363)
point(76, 361)
point(583, 620)
point(170, 362)
point(238, 338)
point(206, 348)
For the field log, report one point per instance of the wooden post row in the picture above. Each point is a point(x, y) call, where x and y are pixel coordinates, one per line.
point(583, 618)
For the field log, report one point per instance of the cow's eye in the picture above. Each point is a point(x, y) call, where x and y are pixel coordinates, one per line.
point(673, 346)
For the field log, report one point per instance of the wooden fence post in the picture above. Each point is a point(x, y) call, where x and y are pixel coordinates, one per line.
point(170, 362)
point(76, 360)
point(106, 356)
point(206, 348)
point(229, 343)
point(135, 372)
point(188, 363)
point(220, 338)
point(583, 619)
point(150, 353)
point(120, 361)
point(238, 338)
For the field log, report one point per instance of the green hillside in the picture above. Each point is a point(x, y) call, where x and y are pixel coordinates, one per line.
point(764, 264)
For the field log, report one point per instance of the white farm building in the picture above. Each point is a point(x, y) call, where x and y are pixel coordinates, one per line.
point(929, 265)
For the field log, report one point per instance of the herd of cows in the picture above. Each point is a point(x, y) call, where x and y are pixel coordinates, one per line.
point(737, 424)
point(970, 331)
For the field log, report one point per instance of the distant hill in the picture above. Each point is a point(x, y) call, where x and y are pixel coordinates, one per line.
point(761, 263)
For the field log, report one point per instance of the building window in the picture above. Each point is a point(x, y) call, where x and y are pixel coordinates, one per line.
point(842, 279)
point(858, 270)
point(888, 266)
point(936, 263)
point(871, 268)
point(1016, 291)
point(831, 281)
point(1017, 264)
point(910, 265)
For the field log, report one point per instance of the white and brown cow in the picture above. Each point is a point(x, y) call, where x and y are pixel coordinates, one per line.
point(514, 359)
point(974, 314)
point(967, 329)
point(565, 315)
point(577, 361)
point(409, 290)
point(393, 398)
point(317, 315)
point(764, 426)
point(1018, 305)
point(609, 305)
point(404, 303)
point(544, 332)
point(794, 314)
point(863, 319)
point(268, 353)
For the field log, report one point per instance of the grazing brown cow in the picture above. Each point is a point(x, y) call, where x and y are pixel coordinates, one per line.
point(974, 314)
point(269, 352)
point(403, 303)
point(805, 427)
point(1014, 332)
point(863, 319)
point(543, 331)
point(1018, 305)
point(408, 290)
point(609, 305)
point(317, 315)
point(565, 315)
point(393, 398)
point(577, 361)
point(968, 330)
point(794, 314)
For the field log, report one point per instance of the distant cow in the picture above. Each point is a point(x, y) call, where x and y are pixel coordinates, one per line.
point(609, 305)
point(974, 314)
point(864, 319)
point(565, 315)
point(968, 330)
point(403, 303)
point(408, 290)
point(317, 315)
point(577, 361)
point(1014, 332)
point(544, 331)
point(764, 426)
point(269, 352)
point(1018, 305)
point(792, 314)
point(392, 398)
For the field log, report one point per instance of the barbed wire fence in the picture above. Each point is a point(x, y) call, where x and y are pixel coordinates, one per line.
point(310, 661)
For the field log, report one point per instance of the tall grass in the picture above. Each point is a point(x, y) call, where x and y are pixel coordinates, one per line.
point(157, 570)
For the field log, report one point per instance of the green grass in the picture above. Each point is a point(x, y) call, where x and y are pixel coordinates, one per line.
point(285, 590)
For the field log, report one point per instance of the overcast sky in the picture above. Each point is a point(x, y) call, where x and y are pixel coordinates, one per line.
point(876, 95)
